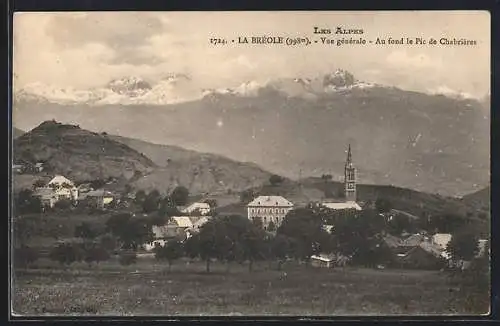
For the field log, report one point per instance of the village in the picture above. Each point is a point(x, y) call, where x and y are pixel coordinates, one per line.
point(182, 219)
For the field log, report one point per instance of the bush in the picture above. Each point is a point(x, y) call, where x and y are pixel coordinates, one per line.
point(96, 254)
point(86, 231)
point(24, 256)
point(180, 196)
point(275, 180)
point(63, 204)
point(127, 258)
point(108, 242)
point(26, 203)
point(67, 253)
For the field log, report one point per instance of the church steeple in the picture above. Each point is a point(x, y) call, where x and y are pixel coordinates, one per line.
point(349, 178)
point(348, 162)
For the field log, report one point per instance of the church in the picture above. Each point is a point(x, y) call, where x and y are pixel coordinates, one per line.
point(350, 194)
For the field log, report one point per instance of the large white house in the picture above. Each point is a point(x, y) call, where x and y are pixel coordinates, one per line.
point(269, 209)
point(63, 187)
point(202, 208)
point(56, 189)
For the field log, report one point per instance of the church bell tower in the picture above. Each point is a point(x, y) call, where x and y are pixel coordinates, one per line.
point(349, 178)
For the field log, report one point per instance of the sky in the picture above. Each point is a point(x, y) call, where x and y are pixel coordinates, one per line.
point(84, 50)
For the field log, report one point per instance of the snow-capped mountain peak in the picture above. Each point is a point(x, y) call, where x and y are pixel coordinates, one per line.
point(130, 86)
point(175, 88)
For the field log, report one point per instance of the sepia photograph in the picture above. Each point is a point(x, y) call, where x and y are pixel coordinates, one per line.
point(260, 163)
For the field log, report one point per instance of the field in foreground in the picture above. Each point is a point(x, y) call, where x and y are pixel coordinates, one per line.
point(143, 289)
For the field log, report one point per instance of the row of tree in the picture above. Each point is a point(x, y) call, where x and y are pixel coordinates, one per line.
point(237, 239)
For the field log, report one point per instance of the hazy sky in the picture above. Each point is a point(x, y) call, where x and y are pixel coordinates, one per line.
point(89, 49)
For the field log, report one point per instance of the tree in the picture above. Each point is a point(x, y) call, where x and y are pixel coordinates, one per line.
point(463, 246)
point(172, 251)
point(135, 233)
point(359, 237)
point(305, 227)
point(27, 203)
point(97, 184)
point(279, 248)
point(209, 243)
point(151, 202)
point(108, 242)
point(247, 196)
point(116, 222)
point(257, 221)
point(383, 205)
point(271, 227)
point(326, 177)
point(399, 224)
point(23, 229)
point(249, 239)
point(131, 232)
point(275, 180)
point(39, 184)
point(96, 254)
point(63, 204)
point(159, 219)
point(167, 207)
point(140, 196)
point(127, 258)
point(86, 231)
point(66, 253)
point(212, 203)
point(24, 256)
point(126, 190)
point(180, 196)
point(232, 238)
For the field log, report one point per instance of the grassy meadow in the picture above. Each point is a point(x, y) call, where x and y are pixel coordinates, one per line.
point(147, 288)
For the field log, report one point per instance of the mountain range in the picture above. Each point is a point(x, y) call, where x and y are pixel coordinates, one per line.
point(294, 127)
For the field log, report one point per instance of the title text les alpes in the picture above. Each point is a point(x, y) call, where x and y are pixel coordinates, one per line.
point(338, 30)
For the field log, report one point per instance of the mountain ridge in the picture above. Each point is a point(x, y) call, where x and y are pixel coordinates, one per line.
point(433, 143)
point(79, 154)
point(176, 88)
point(82, 155)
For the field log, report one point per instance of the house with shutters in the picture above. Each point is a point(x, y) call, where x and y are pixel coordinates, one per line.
point(269, 209)
point(56, 189)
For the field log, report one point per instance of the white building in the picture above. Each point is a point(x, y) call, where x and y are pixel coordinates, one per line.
point(55, 190)
point(269, 209)
point(342, 206)
point(441, 240)
point(202, 208)
point(63, 187)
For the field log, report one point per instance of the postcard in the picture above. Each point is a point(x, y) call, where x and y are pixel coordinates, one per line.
point(263, 163)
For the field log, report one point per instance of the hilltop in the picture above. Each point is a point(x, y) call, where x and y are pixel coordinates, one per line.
point(480, 199)
point(201, 173)
point(83, 155)
point(290, 126)
point(79, 154)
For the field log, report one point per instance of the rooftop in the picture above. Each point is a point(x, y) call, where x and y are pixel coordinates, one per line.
point(342, 205)
point(271, 201)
